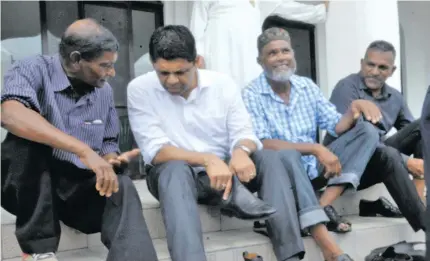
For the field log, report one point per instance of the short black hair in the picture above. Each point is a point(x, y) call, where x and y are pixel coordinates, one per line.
point(381, 46)
point(172, 42)
point(90, 46)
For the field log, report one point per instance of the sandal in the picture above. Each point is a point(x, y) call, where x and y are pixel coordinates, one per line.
point(336, 220)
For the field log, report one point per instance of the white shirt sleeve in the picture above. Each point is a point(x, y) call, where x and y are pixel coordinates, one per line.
point(239, 123)
point(307, 13)
point(145, 123)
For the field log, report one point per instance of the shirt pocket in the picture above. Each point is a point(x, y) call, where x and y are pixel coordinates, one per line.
point(93, 134)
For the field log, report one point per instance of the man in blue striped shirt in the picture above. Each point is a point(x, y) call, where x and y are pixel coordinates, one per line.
point(59, 155)
point(287, 110)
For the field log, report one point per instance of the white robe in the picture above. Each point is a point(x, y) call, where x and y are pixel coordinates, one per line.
point(226, 32)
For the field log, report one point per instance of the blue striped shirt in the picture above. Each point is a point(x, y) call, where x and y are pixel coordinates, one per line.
point(295, 122)
point(41, 84)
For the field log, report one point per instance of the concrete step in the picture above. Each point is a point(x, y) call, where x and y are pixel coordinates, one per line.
point(211, 220)
point(367, 234)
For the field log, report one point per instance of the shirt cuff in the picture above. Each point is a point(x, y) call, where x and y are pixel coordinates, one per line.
point(250, 137)
point(405, 159)
point(109, 147)
point(151, 151)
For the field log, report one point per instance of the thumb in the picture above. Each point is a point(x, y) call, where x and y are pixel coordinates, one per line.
point(355, 112)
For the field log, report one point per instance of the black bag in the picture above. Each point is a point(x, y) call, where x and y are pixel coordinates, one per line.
point(402, 251)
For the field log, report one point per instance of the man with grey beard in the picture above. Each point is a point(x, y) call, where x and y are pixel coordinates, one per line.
point(287, 110)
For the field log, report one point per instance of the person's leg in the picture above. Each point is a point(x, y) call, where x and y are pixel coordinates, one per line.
point(119, 218)
point(27, 192)
point(174, 185)
point(408, 142)
point(274, 187)
point(406, 139)
point(425, 130)
point(386, 166)
point(310, 212)
point(354, 149)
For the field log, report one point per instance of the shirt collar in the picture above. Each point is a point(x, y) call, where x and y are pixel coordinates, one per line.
point(59, 77)
point(385, 91)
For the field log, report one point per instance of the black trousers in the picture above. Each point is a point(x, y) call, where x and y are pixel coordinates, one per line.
point(425, 131)
point(387, 166)
point(42, 191)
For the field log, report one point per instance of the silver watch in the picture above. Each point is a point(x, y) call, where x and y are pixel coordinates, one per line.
point(244, 148)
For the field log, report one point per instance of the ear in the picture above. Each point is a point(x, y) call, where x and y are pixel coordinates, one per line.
point(393, 70)
point(75, 58)
point(200, 61)
point(259, 61)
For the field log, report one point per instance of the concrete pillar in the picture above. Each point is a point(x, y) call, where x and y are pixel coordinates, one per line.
point(350, 27)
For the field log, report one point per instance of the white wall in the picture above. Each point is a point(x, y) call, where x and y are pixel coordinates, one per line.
point(414, 18)
point(350, 27)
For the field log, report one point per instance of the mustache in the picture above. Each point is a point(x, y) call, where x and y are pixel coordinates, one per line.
point(373, 78)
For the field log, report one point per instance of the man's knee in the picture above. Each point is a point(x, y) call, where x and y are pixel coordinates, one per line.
point(367, 131)
point(290, 156)
point(175, 173)
point(388, 157)
point(264, 155)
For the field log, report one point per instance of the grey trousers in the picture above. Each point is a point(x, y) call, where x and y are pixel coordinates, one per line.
point(425, 134)
point(179, 188)
point(354, 149)
point(42, 191)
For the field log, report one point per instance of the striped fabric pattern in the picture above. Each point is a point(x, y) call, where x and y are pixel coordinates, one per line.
point(41, 84)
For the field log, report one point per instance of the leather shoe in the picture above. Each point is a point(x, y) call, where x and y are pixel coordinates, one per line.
point(242, 204)
point(251, 257)
point(381, 207)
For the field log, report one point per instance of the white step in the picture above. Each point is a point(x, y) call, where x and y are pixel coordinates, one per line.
point(368, 234)
point(212, 221)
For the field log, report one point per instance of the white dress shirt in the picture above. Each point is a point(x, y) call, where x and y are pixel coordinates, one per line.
point(212, 120)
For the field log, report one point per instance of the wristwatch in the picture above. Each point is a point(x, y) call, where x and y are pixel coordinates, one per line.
point(244, 148)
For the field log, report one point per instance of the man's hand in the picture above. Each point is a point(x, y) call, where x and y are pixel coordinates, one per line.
point(107, 181)
point(124, 158)
point(219, 174)
point(242, 165)
point(330, 162)
point(371, 112)
point(416, 167)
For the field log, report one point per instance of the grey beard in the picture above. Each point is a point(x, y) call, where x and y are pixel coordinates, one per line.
point(283, 76)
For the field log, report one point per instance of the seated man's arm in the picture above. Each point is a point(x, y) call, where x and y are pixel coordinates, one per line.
point(262, 129)
point(110, 148)
point(405, 116)
point(20, 111)
point(149, 134)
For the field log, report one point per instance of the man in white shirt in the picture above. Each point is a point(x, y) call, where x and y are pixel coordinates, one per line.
point(188, 123)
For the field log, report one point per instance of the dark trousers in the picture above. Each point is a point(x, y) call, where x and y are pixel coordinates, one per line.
point(386, 165)
point(407, 140)
point(178, 188)
point(425, 132)
point(42, 191)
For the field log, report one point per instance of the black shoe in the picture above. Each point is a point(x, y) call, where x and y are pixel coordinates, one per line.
point(381, 207)
point(242, 204)
point(251, 257)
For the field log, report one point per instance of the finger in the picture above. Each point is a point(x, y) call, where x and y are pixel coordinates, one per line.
point(116, 185)
point(227, 189)
point(219, 183)
point(111, 184)
point(105, 182)
point(355, 113)
point(246, 176)
point(99, 179)
point(213, 182)
point(115, 161)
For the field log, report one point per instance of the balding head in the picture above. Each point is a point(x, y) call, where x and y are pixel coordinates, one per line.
point(87, 38)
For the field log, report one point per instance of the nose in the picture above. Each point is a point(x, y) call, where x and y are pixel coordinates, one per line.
point(112, 72)
point(374, 71)
point(172, 79)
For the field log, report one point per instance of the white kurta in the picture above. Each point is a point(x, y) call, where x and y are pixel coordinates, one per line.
point(226, 32)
